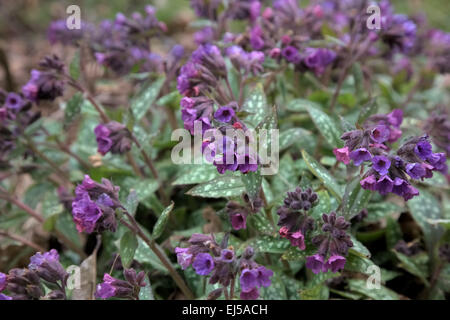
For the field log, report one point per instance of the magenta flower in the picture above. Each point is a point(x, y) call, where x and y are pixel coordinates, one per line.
point(369, 182)
point(335, 263)
point(2, 281)
point(380, 134)
point(423, 149)
point(264, 276)
point(239, 221)
point(381, 164)
point(360, 155)
point(224, 114)
point(249, 279)
point(342, 154)
point(297, 240)
point(291, 54)
point(106, 289)
point(315, 263)
point(184, 258)
point(384, 185)
point(203, 264)
point(415, 170)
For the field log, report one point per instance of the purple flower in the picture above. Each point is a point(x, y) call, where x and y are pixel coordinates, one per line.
point(317, 59)
point(415, 170)
point(381, 164)
point(395, 118)
point(2, 281)
point(315, 263)
point(335, 263)
point(264, 276)
point(204, 35)
point(360, 155)
point(380, 134)
point(14, 101)
point(256, 39)
point(224, 114)
point(423, 149)
point(184, 258)
point(48, 267)
point(85, 213)
point(43, 86)
point(297, 240)
point(227, 256)
point(239, 221)
point(369, 182)
point(342, 154)
point(291, 54)
point(437, 160)
point(252, 294)
point(203, 264)
point(4, 297)
point(113, 137)
point(384, 185)
point(249, 279)
point(104, 143)
point(105, 289)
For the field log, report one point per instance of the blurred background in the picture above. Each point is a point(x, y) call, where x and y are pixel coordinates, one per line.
point(23, 26)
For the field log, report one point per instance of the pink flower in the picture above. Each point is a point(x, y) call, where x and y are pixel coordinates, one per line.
point(342, 154)
point(335, 263)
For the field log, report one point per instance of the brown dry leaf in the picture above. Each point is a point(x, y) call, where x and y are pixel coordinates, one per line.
point(88, 276)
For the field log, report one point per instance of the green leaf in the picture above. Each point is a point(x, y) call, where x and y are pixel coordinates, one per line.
point(51, 205)
point(423, 208)
point(370, 108)
point(132, 202)
point(318, 292)
point(144, 187)
point(256, 104)
point(146, 292)
point(379, 210)
point(414, 265)
point(355, 199)
point(218, 188)
point(197, 174)
point(73, 108)
point(301, 105)
point(381, 293)
point(145, 99)
point(359, 249)
point(74, 67)
point(323, 175)
point(290, 136)
point(323, 206)
point(357, 263)
point(260, 223)
point(252, 182)
point(162, 222)
point(145, 255)
point(393, 232)
point(326, 126)
point(270, 244)
point(128, 246)
point(295, 254)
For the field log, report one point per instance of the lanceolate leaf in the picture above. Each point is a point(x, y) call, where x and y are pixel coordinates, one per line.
point(146, 292)
point(162, 222)
point(252, 182)
point(326, 126)
point(301, 105)
point(128, 245)
point(323, 175)
point(425, 207)
point(367, 110)
point(381, 293)
point(256, 104)
point(218, 188)
point(145, 99)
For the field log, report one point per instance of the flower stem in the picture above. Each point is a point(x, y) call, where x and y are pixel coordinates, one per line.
point(134, 227)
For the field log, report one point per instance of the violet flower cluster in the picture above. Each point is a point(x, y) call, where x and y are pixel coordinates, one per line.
point(203, 81)
point(239, 213)
point(27, 283)
point(16, 115)
point(113, 137)
point(125, 289)
point(94, 206)
point(223, 266)
point(388, 171)
point(294, 220)
point(295, 223)
point(122, 44)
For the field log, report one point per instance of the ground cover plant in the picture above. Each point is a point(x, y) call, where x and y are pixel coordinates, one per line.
point(272, 150)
